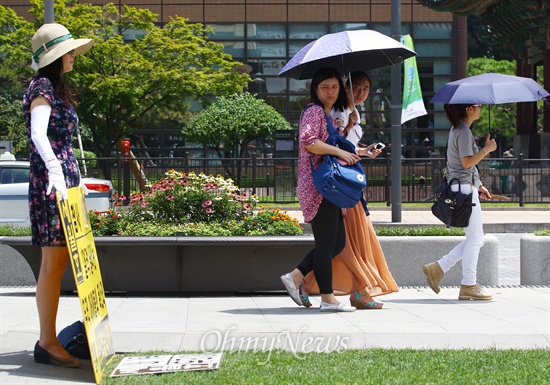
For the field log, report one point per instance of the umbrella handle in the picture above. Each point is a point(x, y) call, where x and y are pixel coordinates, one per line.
point(351, 90)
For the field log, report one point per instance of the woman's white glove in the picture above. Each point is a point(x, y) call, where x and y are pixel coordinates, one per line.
point(40, 117)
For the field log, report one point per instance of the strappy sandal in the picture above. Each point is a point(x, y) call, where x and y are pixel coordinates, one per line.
point(361, 305)
point(304, 297)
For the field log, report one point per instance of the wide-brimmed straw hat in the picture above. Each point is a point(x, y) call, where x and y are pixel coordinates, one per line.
point(51, 41)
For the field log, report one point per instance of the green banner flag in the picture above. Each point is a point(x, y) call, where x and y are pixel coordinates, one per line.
point(413, 105)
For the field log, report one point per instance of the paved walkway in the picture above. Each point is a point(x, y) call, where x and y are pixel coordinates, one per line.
point(495, 220)
point(517, 318)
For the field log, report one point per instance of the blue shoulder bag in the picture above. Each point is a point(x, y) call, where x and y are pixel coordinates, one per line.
point(341, 184)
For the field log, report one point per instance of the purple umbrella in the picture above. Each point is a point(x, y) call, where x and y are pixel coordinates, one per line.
point(490, 88)
point(347, 51)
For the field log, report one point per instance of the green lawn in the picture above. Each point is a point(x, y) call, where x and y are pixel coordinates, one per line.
point(372, 366)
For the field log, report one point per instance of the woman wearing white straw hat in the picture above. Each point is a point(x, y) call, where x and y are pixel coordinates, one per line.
point(51, 120)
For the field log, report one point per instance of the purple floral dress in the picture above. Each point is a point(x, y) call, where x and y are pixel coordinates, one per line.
point(313, 127)
point(44, 214)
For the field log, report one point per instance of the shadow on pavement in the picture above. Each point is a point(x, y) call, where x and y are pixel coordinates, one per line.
point(21, 364)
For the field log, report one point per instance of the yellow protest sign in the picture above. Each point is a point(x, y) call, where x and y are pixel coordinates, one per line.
point(87, 275)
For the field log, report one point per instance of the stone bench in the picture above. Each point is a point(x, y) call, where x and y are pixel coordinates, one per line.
point(535, 260)
point(242, 264)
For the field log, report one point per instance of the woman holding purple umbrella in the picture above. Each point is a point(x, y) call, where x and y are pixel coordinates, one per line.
point(462, 157)
point(326, 92)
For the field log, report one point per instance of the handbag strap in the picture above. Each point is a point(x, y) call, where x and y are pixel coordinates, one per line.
point(446, 171)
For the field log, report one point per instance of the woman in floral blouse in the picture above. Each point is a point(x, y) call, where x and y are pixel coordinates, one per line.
point(326, 92)
point(51, 120)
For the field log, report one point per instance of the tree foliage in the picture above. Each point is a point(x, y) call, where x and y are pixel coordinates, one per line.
point(482, 41)
point(119, 83)
point(230, 123)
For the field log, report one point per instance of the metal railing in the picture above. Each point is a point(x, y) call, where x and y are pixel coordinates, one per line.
point(275, 179)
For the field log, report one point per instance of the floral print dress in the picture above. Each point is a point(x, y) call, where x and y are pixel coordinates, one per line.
point(44, 215)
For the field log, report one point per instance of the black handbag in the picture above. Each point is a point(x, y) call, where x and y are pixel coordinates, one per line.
point(73, 339)
point(450, 207)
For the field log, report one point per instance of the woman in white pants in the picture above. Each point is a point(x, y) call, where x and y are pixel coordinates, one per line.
point(462, 157)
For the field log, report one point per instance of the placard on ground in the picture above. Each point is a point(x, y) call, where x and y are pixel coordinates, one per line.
point(87, 275)
point(167, 364)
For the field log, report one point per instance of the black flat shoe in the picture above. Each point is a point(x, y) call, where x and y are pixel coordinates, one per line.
point(42, 356)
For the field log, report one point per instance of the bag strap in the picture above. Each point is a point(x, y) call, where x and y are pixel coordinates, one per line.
point(330, 126)
point(445, 172)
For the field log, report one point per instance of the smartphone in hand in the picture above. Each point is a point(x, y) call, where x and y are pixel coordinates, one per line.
point(378, 146)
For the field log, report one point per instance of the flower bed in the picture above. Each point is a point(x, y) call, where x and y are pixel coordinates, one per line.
point(194, 205)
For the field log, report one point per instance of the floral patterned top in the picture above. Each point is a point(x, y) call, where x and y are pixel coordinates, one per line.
point(313, 127)
point(44, 214)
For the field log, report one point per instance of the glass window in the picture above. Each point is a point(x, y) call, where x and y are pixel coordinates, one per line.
point(295, 46)
point(385, 28)
point(440, 81)
point(226, 31)
point(266, 67)
point(233, 48)
point(266, 31)
point(434, 49)
point(432, 30)
point(301, 86)
point(298, 102)
point(307, 31)
point(266, 49)
point(442, 67)
point(271, 85)
point(277, 102)
point(338, 27)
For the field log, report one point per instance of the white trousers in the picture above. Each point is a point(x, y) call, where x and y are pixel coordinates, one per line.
point(468, 249)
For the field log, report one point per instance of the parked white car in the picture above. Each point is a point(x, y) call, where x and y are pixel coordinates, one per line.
point(14, 193)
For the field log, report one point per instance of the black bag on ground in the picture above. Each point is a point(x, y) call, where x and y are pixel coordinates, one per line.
point(452, 208)
point(73, 339)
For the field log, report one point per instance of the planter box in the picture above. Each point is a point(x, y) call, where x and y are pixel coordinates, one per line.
point(242, 264)
point(535, 260)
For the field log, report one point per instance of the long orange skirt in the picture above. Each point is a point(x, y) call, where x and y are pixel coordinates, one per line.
point(361, 266)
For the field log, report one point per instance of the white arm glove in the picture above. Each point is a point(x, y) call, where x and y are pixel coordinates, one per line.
point(40, 116)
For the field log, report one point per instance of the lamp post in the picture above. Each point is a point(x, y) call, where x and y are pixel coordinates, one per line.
point(396, 197)
point(48, 12)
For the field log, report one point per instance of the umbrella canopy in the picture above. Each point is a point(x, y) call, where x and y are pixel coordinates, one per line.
point(490, 88)
point(347, 51)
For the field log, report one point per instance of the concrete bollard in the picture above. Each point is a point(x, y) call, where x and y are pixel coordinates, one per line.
point(535, 260)
point(407, 255)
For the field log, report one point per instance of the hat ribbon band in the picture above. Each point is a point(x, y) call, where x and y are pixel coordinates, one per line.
point(45, 47)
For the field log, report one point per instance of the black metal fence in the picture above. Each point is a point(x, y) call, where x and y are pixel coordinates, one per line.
point(274, 179)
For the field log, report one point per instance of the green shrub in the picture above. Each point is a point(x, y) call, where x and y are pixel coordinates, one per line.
point(417, 231)
point(87, 156)
point(14, 231)
point(543, 232)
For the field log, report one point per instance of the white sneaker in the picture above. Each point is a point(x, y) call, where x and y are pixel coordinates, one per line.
point(325, 306)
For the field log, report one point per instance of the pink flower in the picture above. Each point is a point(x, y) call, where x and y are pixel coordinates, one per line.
point(208, 210)
point(207, 203)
